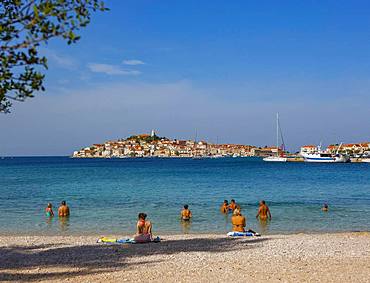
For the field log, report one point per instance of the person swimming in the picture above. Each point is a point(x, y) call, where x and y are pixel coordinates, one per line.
point(232, 205)
point(143, 229)
point(263, 211)
point(49, 210)
point(63, 210)
point(224, 207)
point(186, 214)
point(325, 207)
point(238, 221)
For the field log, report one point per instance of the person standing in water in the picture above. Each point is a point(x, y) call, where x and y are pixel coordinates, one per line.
point(49, 210)
point(232, 205)
point(63, 210)
point(325, 207)
point(186, 213)
point(224, 207)
point(263, 211)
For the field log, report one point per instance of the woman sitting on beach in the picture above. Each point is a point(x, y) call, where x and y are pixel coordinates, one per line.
point(238, 221)
point(143, 230)
point(49, 210)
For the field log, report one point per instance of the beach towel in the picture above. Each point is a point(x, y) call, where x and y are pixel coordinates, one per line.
point(123, 241)
point(106, 240)
point(242, 234)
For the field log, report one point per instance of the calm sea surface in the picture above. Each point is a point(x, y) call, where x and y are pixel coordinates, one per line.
point(105, 195)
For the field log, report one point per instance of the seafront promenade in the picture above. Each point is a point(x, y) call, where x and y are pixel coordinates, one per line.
point(342, 257)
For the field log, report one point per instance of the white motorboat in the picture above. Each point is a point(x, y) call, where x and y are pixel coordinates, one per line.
point(216, 156)
point(325, 157)
point(277, 158)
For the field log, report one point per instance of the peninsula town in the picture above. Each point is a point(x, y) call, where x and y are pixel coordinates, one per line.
point(151, 145)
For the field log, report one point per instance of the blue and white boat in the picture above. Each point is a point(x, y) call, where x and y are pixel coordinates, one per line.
point(325, 157)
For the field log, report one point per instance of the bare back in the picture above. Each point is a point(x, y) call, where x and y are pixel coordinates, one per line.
point(264, 212)
point(144, 228)
point(63, 211)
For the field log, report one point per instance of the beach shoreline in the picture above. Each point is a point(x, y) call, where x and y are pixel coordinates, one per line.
point(333, 257)
point(129, 234)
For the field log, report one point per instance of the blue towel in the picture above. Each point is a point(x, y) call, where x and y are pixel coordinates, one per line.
point(132, 241)
point(240, 234)
point(126, 241)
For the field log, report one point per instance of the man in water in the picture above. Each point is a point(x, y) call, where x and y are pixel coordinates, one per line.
point(63, 210)
point(186, 213)
point(225, 207)
point(263, 211)
point(232, 205)
point(325, 207)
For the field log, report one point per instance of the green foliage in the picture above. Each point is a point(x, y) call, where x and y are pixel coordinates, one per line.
point(24, 25)
point(147, 139)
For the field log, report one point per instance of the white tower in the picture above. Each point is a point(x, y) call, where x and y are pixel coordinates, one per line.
point(152, 133)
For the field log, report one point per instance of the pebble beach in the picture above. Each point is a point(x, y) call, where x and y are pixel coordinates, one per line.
point(332, 257)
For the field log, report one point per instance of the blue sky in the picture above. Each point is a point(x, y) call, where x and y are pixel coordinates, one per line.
point(222, 67)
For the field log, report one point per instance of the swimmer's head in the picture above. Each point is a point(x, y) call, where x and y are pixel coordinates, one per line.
point(326, 205)
point(262, 202)
point(186, 206)
point(226, 201)
point(142, 215)
point(50, 205)
point(63, 202)
point(233, 200)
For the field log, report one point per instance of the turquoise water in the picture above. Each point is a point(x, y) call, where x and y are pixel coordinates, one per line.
point(105, 195)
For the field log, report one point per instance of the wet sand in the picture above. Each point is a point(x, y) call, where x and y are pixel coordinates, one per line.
point(338, 257)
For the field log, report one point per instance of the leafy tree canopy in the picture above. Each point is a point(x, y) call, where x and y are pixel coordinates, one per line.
point(146, 138)
point(24, 25)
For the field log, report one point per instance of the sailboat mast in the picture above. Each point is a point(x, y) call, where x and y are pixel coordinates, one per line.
point(277, 134)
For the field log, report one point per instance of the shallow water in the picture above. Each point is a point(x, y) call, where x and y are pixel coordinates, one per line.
point(105, 195)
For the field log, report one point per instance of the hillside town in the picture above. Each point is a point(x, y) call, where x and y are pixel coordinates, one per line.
point(151, 145)
point(146, 145)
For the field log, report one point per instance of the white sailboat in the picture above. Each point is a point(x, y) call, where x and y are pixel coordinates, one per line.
point(277, 158)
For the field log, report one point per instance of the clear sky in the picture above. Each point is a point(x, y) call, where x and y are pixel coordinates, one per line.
point(222, 67)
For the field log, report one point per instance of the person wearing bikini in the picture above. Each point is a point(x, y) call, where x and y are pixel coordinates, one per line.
point(143, 229)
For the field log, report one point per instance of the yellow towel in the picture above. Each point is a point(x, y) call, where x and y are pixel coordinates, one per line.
point(107, 240)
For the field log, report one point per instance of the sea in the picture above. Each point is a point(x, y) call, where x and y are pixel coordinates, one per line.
point(106, 195)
